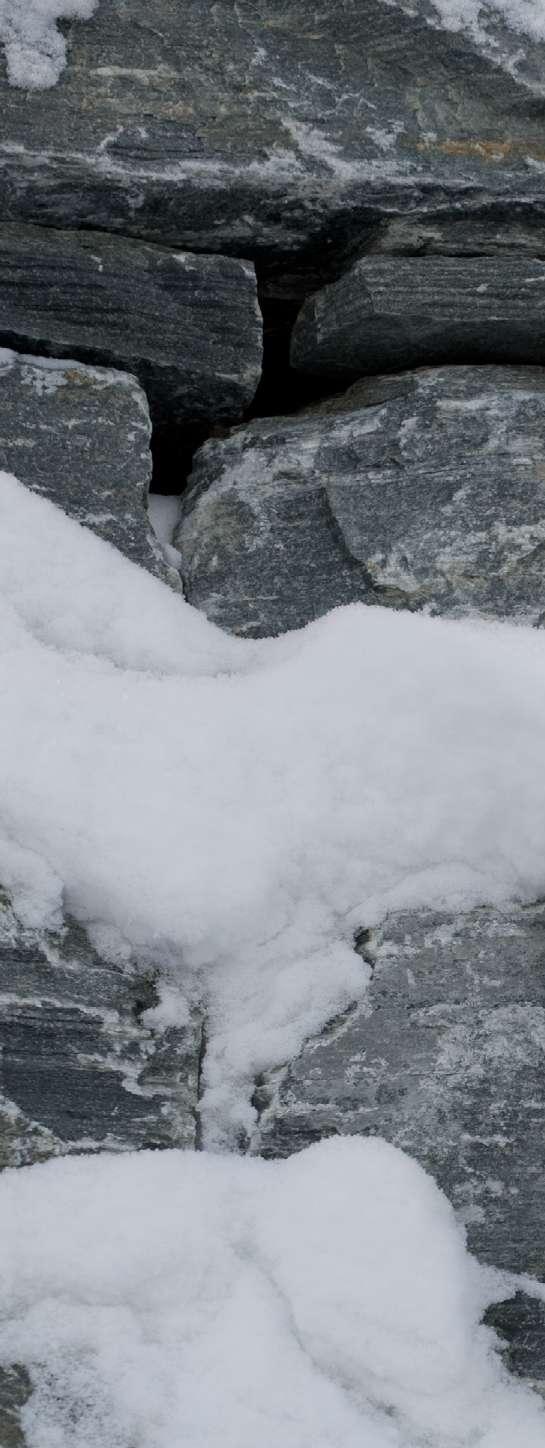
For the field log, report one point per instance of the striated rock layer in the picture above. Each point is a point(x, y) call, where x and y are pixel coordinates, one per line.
point(268, 130)
point(387, 313)
point(81, 1067)
point(188, 326)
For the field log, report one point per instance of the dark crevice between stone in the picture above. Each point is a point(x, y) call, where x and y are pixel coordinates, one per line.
point(364, 946)
point(173, 447)
point(282, 287)
point(281, 390)
point(203, 1046)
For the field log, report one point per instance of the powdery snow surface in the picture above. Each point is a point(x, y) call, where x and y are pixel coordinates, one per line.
point(164, 513)
point(525, 16)
point(175, 1298)
point(236, 810)
point(34, 48)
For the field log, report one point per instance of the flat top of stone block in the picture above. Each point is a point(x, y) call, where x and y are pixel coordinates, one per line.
point(203, 96)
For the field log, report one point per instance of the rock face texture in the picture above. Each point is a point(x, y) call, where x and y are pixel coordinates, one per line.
point(387, 313)
point(260, 130)
point(80, 1069)
point(80, 436)
point(423, 489)
point(446, 1059)
point(390, 172)
point(188, 326)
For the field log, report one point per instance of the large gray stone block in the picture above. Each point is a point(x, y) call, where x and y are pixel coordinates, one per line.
point(269, 128)
point(81, 1067)
point(446, 1059)
point(80, 436)
point(189, 327)
point(387, 313)
point(425, 489)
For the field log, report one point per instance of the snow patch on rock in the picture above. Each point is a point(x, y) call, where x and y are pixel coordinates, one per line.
point(239, 809)
point(222, 1302)
point(34, 48)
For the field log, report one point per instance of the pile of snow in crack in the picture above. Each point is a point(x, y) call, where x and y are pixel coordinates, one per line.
point(220, 1302)
point(233, 811)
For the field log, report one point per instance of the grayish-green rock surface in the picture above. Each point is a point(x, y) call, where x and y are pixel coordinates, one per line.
point(15, 1389)
point(189, 327)
point(446, 1059)
point(425, 489)
point(267, 128)
point(82, 1068)
point(388, 313)
point(80, 436)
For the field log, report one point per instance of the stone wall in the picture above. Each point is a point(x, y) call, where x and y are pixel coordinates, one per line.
point(370, 186)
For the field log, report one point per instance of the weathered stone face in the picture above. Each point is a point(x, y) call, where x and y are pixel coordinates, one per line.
point(15, 1389)
point(425, 489)
point(446, 1059)
point(262, 129)
point(188, 326)
point(80, 436)
point(389, 313)
point(80, 1070)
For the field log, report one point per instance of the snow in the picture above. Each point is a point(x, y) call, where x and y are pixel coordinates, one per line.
point(223, 1302)
point(164, 512)
point(233, 811)
point(526, 17)
point(35, 49)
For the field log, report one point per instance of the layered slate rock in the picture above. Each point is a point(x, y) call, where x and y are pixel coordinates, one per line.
point(446, 1059)
point(259, 129)
point(388, 313)
point(425, 489)
point(82, 1068)
point(189, 327)
point(80, 436)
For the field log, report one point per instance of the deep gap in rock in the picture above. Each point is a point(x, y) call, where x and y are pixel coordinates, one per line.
point(203, 1046)
point(281, 390)
point(282, 290)
point(172, 448)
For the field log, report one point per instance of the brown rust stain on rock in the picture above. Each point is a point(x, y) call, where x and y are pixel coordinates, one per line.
point(485, 150)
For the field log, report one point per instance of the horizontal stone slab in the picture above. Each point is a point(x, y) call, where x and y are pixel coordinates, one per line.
point(80, 436)
point(80, 1068)
point(189, 327)
point(266, 130)
point(420, 490)
point(387, 313)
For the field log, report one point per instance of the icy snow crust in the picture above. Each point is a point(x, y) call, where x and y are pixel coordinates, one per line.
point(326, 1301)
point(236, 810)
